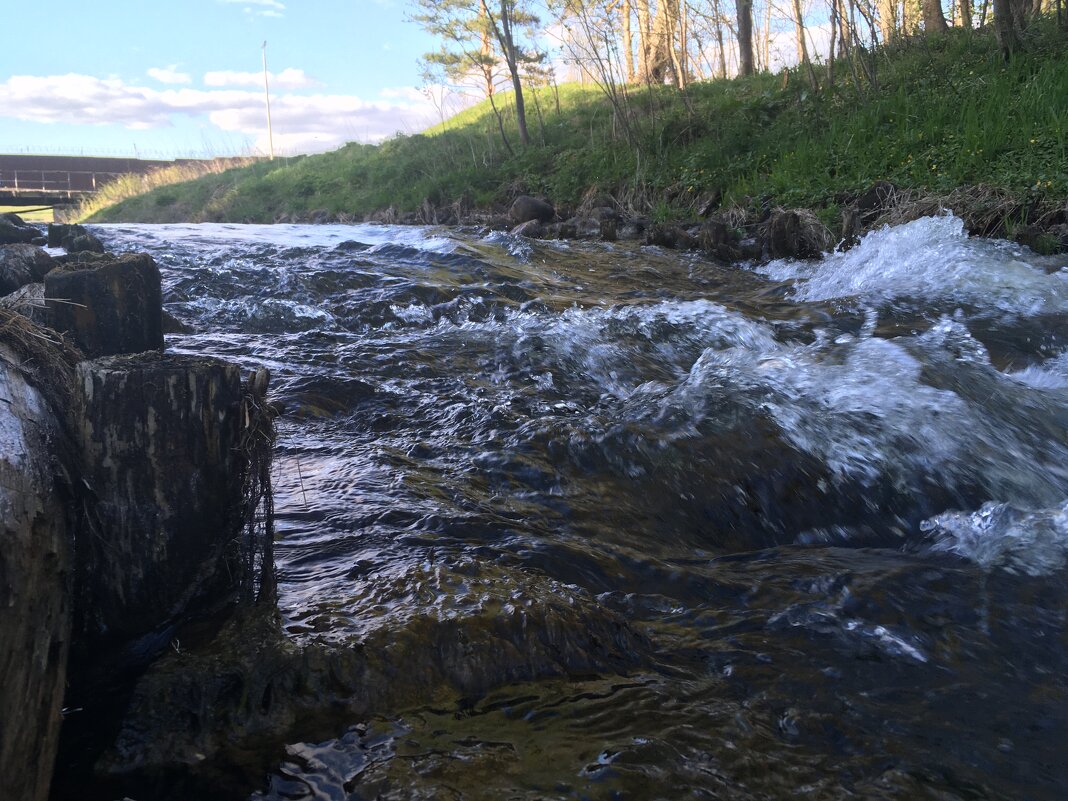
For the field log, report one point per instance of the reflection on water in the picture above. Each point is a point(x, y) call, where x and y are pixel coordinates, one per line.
point(831, 496)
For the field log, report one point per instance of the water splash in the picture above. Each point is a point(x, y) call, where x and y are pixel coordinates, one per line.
point(932, 259)
point(1029, 541)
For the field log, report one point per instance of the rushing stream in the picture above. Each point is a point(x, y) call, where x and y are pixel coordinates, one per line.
point(831, 498)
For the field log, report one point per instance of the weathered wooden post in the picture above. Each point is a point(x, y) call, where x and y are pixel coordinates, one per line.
point(108, 308)
point(159, 436)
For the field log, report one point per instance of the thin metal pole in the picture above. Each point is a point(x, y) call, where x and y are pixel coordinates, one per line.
point(267, 98)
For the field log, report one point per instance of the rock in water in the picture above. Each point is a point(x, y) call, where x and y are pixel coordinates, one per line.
point(34, 568)
point(108, 308)
point(159, 447)
point(73, 238)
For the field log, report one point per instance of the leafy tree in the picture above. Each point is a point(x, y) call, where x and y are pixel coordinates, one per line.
point(476, 35)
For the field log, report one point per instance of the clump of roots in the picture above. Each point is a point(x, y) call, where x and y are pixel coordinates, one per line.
point(42, 355)
point(257, 578)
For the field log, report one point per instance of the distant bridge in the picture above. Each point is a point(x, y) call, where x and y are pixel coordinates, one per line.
point(63, 180)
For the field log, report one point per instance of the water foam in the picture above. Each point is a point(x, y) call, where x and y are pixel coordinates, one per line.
point(1030, 541)
point(931, 259)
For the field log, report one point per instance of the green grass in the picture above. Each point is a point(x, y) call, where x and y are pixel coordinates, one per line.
point(944, 112)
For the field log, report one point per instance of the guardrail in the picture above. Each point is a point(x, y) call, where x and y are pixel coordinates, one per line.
point(61, 184)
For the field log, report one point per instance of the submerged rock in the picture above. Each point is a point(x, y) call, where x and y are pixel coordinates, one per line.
point(241, 697)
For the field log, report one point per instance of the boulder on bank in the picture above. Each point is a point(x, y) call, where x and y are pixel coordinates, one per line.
point(526, 208)
point(73, 239)
point(14, 231)
point(794, 234)
point(108, 307)
point(674, 237)
point(35, 560)
point(22, 264)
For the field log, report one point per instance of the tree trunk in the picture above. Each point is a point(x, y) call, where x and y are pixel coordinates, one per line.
point(887, 19)
point(834, 35)
point(719, 40)
point(965, 7)
point(802, 45)
point(1004, 28)
point(643, 37)
point(764, 46)
point(661, 55)
point(502, 29)
point(745, 36)
point(683, 77)
point(628, 44)
point(487, 49)
point(934, 21)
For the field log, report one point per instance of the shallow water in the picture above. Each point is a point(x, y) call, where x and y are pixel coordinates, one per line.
point(831, 496)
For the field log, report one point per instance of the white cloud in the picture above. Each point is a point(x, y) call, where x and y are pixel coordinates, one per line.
point(169, 74)
point(288, 78)
point(302, 123)
point(409, 93)
point(261, 8)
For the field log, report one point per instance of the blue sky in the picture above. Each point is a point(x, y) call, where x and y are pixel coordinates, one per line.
point(164, 79)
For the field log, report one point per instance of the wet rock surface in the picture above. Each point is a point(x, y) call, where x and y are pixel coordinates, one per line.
point(21, 265)
point(36, 527)
point(14, 230)
point(196, 712)
point(73, 238)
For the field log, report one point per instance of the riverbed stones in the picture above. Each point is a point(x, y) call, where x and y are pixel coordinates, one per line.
point(254, 687)
point(108, 307)
point(22, 264)
point(525, 208)
point(35, 565)
point(159, 438)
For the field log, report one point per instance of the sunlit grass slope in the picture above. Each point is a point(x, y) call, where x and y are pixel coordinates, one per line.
point(940, 113)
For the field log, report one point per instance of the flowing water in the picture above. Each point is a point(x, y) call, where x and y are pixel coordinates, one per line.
point(831, 498)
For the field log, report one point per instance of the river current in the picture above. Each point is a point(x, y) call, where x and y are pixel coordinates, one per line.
point(830, 497)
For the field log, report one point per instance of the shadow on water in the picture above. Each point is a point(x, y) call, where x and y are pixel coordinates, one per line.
point(831, 498)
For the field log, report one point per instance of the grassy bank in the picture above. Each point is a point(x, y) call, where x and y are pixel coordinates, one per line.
point(930, 115)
